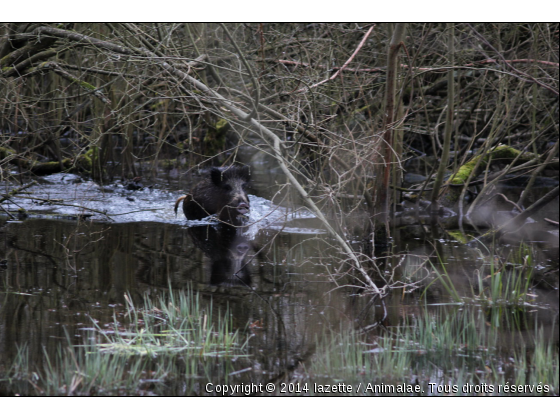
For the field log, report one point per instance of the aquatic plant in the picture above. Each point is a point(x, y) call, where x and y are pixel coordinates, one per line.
point(450, 352)
point(177, 343)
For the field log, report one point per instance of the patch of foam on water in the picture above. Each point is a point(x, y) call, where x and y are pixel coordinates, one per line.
point(209, 220)
point(263, 210)
point(70, 195)
point(266, 215)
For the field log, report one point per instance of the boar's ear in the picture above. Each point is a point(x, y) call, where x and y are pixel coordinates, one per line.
point(216, 176)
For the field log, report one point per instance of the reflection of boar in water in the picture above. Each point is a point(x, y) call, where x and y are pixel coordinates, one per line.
point(226, 252)
point(222, 193)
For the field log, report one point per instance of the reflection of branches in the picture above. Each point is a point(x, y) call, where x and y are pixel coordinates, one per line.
point(71, 255)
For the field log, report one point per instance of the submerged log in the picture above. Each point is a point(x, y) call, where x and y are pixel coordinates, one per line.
point(80, 164)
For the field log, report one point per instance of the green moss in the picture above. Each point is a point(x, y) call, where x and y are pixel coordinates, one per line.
point(84, 162)
point(222, 126)
point(5, 152)
point(458, 236)
point(85, 85)
point(167, 163)
point(47, 168)
point(157, 104)
point(464, 171)
point(91, 153)
point(501, 153)
point(215, 138)
point(505, 153)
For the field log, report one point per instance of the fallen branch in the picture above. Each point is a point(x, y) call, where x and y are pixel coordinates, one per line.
point(51, 65)
point(521, 217)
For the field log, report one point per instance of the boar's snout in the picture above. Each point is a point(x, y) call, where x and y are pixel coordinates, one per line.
point(243, 208)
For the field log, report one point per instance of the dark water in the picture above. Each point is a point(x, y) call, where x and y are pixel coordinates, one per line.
point(58, 273)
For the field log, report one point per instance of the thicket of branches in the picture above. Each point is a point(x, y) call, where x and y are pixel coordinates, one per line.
point(345, 109)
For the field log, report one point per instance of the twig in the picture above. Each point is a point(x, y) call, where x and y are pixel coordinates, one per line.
point(75, 36)
point(528, 76)
point(256, 99)
point(406, 66)
point(16, 191)
point(103, 212)
point(7, 212)
point(358, 48)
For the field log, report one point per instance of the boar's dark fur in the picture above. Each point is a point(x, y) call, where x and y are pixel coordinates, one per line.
point(222, 193)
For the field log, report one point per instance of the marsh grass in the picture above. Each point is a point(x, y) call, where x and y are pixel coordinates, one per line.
point(498, 282)
point(544, 363)
point(157, 351)
point(453, 352)
point(504, 287)
point(173, 323)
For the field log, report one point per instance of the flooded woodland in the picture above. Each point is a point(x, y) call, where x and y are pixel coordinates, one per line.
point(279, 209)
